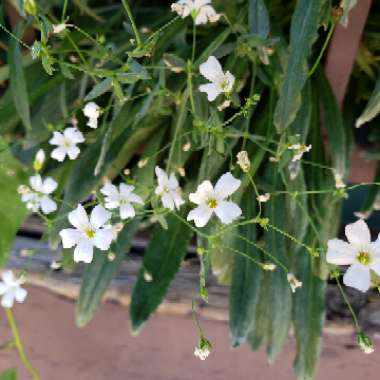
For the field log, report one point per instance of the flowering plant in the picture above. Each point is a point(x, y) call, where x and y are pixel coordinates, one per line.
point(200, 123)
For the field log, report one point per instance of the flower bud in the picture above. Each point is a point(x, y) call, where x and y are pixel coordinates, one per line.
point(365, 343)
point(243, 161)
point(293, 282)
point(269, 266)
point(39, 160)
point(203, 348)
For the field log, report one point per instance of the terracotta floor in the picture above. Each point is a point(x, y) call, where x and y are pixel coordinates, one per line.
point(163, 351)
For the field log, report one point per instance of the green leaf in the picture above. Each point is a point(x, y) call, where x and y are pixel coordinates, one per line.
point(99, 89)
point(8, 374)
point(303, 33)
point(373, 107)
point(12, 210)
point(246, 277)
point(98, 275)
point(162, 261)
point(258, 18)
point(308, 317)
point(17, 80)
point(373, 190)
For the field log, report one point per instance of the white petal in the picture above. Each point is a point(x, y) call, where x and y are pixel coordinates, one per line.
point(357, 276)
point(20, 294)
point(126, 190)
point(84, 251)
point(74, 135)
point(57, 139)
point(203, 192)
point(134, 198)
point(162, 177)
point(211, 69)
point(178, 201)
point(167, 201)
point(127, 211)
point(376, 267)
point(103, 239)
point(99, 216)
point(59, 153)
point(7, 300)
point(340, 253)
point(3, 288)
point(91, 110)
point(92, 123)
point(201, 215)
point(212, 90)
point(227, 185)
point(73, 152)
point(36, 182)
point(49, 185)
point(173, 182)
point(47, 205)
point(110, 191)
point(358, 233)
point(8, 277)
point(227, 211)
point(70, 237)
point(78, 218)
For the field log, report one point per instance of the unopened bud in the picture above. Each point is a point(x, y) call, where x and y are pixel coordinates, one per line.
point(39, 160)
point(243, 161)
point(269, 266)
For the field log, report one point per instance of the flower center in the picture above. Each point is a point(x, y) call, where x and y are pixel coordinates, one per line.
point(212, 203)
point(90, 233)
point(225, 85)
point(67, 143)
point(364, 258)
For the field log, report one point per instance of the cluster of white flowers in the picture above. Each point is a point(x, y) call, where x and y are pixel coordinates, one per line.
point(203, 348)
point(200, 10)
point(11, 290)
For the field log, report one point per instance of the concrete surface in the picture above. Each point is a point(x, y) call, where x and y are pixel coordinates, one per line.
point(163, 350)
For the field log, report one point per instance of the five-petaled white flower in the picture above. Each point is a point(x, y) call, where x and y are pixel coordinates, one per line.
point(88, 232)
point(362, 255)
point(299, 150)
point(168, 189)
point(200, 10)
point(38, 196)
point(121, 198)
point(66, 143)
point(210, 200)
point(11, 290)
point(92, 111)
point(221, 82)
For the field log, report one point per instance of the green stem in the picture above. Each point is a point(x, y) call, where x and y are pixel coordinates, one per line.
point(195, 317)
point(64, 11)
point(14, 37)
point(18, 344)
point(131, 19)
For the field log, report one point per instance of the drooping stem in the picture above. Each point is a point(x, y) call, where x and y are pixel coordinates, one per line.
point(18, 344)
point(132, 20)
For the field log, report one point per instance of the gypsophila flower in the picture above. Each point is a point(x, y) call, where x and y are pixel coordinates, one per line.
point(200, 10)
point(66, 143)
point(92, 111)
point(39, 160)
point(221, 82)
point(299, 150)
point(186, 147)
point(243, 161)
point(339, 184)
point(203, 348)
point(210, 201)
point(121, 198)
point(88, 232)
point(59, 28)
point(37, 197)
point(263, 198)
point(11, 290)
point(362, 255)
point(365, 343)
point(224, 105)
point(168, 190)
point(293, 282)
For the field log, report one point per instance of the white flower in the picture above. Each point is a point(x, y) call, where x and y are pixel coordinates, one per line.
point(121, 198)
point(92, 111)
point(299, 149)
point(38, 196)
point(210, 200)
point(243, 161)
point(10, 289)
point(362, 255)
point(263, 198)
point(59, 28)
point(293, 282)
point(220, 82)
point(39, 160)
point(168, 189)
point(339, 184)
point(203, 348)
point(269, 266)
point(66, 143)
point(88, 233)
point(200, 10)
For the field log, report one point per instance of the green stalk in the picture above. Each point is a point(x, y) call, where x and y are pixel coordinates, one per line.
point(18, 344)
point(131, 19)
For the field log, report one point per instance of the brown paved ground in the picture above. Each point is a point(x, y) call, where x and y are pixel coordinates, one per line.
point(163, 351)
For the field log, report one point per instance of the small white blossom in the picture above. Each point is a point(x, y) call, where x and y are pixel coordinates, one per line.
point(66, 143)
point(88, 232)
point(121, 198)
point(269, 266)
point(59, 28)
point(263, 198)
point(243, 161)
point(92, 111)
point(221, 82)
point(203, 348)
point(39, 160)
point(200, 10)
point(142, 163)
point(168, 189)
point(11, 290)
point(299, 150)
point(186, 147)
point(224, 105)
point(38, 196)
point(339, 184)
point(210, 200)
point(360, 253)
point(293, 282)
